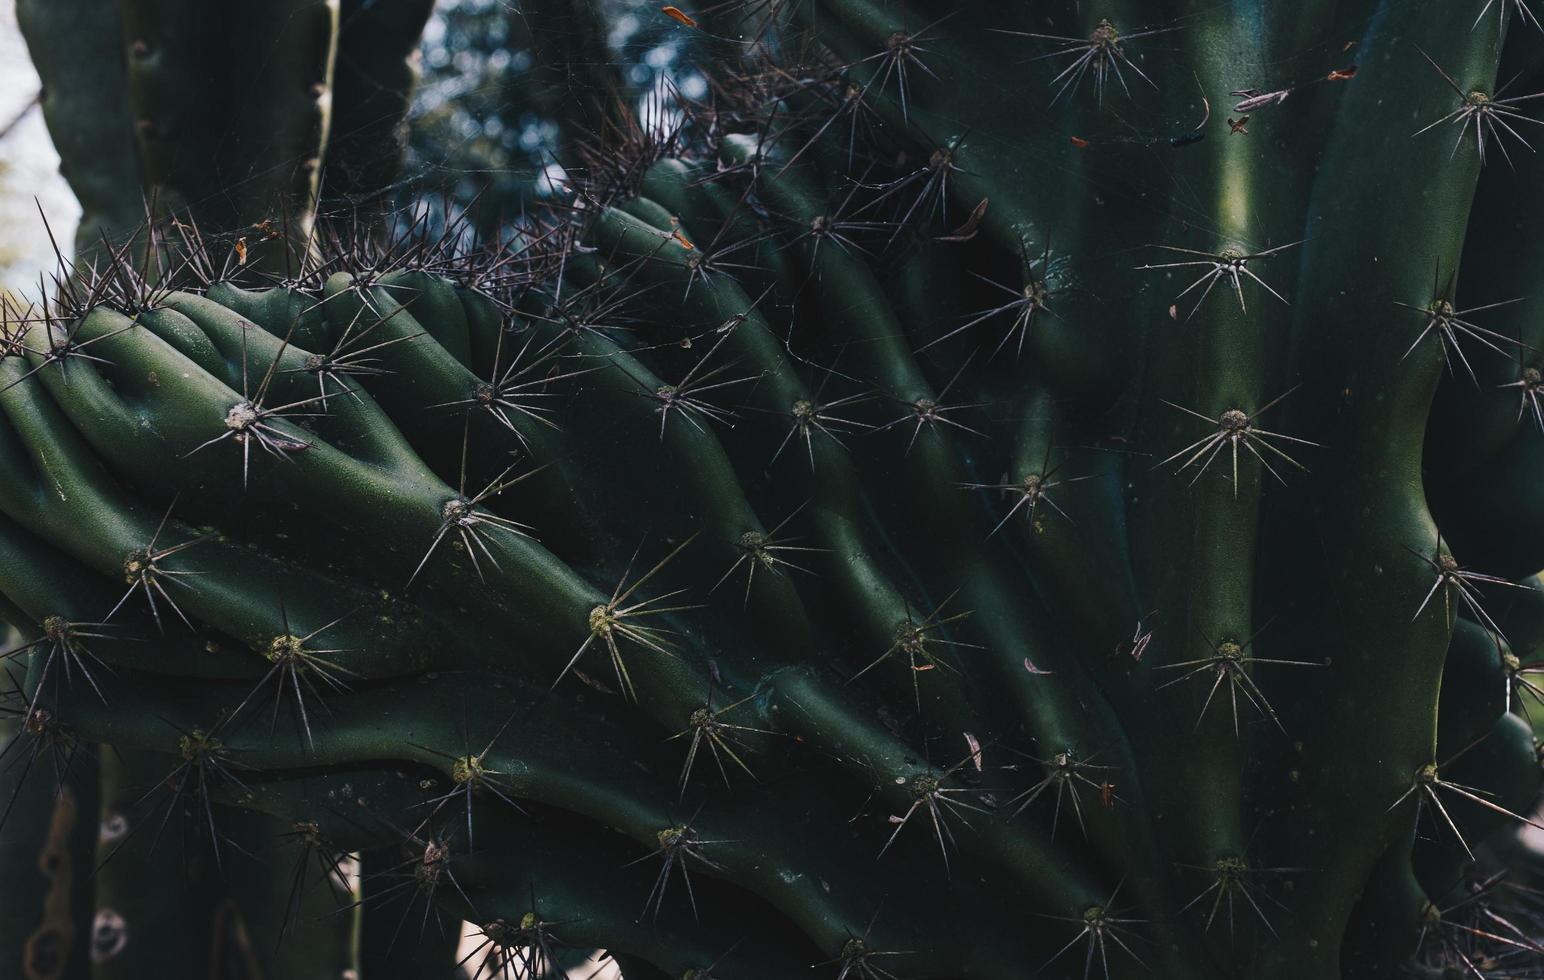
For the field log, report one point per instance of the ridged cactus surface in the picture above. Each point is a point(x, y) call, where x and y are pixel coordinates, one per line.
point(989, 491)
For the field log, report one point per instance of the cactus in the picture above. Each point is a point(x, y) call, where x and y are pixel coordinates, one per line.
point(236, 117)
point(939, 511)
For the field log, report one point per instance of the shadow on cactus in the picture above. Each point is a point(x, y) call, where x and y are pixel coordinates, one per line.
point(773, 558)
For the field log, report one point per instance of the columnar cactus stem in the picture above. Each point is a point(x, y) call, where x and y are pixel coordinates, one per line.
point(1002, 442)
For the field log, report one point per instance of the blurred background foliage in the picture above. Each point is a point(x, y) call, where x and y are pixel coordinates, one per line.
point(502, 99)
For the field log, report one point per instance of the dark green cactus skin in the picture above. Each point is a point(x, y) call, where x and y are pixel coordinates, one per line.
point(46, 906)
point(275, 91)
point(77, 49)
point(373, 81)
point(131, 112)
point(724, 525)
point(568, 83)
point(191, 916)
point(223, 113)
point(432, 957)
